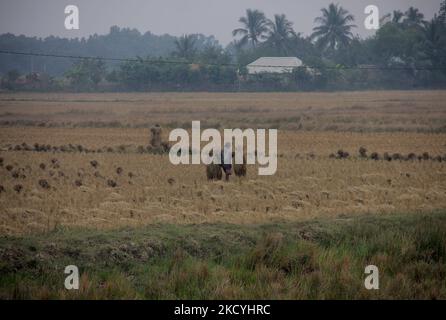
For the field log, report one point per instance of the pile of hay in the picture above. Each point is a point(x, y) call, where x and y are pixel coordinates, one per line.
point(240, 169)
point(214, 171)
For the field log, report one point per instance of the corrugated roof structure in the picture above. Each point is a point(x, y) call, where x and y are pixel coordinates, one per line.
point(274, 65)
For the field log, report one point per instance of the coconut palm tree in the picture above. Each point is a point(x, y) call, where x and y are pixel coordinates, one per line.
point(281, 33)
point(397, 16)
point(334, 28)
point(413, 17)
point(185, 47)
point(254, 28)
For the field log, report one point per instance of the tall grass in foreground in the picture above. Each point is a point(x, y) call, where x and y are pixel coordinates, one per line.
point(318, 259)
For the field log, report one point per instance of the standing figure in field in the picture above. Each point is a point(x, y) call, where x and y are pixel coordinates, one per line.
point(155, 139)
point(214, 169)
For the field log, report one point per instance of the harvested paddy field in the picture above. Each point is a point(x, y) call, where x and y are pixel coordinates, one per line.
point(352, 167)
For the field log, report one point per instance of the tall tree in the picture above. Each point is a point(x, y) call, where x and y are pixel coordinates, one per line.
point(413, 17)
point(397, 16)
point(281, 33)
point(185, 47)
point(214, 54)
point(334, 28)
point(86, 73)
point(255, 25)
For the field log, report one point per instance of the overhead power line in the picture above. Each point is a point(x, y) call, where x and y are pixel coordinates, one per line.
point(165, 61)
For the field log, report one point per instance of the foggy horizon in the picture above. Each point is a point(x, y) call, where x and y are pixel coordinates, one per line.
point(209, 17)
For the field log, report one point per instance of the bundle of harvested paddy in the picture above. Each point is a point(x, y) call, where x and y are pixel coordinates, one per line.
point(213, 171)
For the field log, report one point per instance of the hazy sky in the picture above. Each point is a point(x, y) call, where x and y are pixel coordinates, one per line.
point(211, 17)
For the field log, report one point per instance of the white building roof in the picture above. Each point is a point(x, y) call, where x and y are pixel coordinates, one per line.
point(274, 65)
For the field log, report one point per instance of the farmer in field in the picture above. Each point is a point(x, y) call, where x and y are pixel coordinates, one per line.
point(226, 160)
point(155, 139)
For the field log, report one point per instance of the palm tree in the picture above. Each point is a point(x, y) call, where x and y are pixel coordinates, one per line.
point(414, 16)
point(334, 29)
point(281, 33)
point(185, 47)
point(397, 16)
point(254, 28)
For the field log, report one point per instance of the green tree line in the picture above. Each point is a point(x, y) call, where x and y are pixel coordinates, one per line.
point(407, 51)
